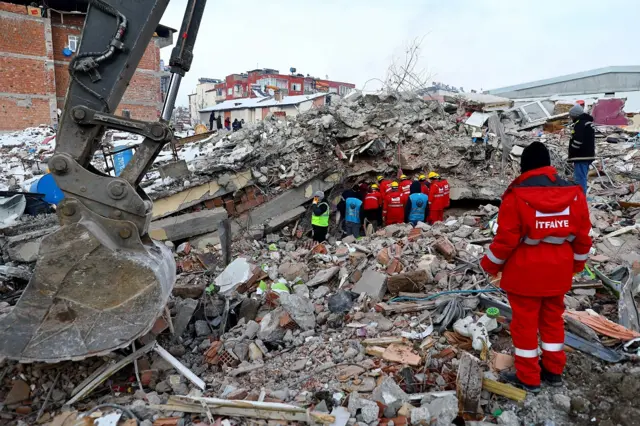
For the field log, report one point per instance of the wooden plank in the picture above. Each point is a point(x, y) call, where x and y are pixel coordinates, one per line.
point(245, 409)
point(504, 389)
point(469, 384)
point(412, 281)
point(383, 341)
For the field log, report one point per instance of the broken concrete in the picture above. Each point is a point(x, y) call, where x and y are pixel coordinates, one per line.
point(373, 284)
point(284, 219)
point(323, 276)
point(176, 170)
point(187, 225)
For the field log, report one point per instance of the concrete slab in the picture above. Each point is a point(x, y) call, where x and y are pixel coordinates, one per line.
point(174, 170)
point(24, 247)
point(187, 225)
point(372, 283)
point(284, 219)
point(323, 276)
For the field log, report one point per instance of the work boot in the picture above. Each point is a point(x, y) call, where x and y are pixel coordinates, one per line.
point(513, 379)
point(550, 379)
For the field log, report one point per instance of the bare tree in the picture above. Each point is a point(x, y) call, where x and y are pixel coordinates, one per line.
point(405, 74)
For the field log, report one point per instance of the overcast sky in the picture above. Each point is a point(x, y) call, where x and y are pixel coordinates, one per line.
point(476, 44)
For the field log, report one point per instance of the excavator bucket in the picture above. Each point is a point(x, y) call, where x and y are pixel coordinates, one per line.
point(88, 296)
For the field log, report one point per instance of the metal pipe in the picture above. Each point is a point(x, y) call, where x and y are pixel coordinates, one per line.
point(172, 94)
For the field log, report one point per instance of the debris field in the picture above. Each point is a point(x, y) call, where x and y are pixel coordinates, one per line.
point(398, 327)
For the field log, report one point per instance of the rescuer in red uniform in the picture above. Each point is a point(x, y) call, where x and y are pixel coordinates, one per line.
point(542, 240)
point(424, 184)
point(373, 206)
point(405, 185)
point(384, 184)
point(439, 198)
point(393, 208)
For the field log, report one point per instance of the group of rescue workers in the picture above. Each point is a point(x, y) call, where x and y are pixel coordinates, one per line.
point(384, 203)
point(542, 240)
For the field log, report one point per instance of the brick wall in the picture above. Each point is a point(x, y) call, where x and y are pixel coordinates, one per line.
point(34, 77)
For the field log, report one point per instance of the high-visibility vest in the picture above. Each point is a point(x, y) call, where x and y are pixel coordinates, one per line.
point(353, 210)
point(418, 206)
point(323, 219)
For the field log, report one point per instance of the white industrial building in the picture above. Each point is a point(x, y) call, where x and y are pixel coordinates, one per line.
point(621, 82)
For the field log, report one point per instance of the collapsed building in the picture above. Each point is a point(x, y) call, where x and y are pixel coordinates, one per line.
point(369, 331)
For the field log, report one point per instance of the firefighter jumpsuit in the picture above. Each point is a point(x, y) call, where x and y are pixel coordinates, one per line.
point(385, 186)
point(439, 199)
point(405, 187)
point(542, 240)
point(393, 209)
point(373, 207)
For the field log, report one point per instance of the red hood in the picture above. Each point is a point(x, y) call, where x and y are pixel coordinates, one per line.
point(552, 199)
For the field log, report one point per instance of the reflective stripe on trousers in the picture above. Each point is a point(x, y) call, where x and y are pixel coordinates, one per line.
point(552, 347)
point(527, 353)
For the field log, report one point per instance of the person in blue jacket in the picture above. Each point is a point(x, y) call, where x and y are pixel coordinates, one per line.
point(417, 207)
point(354, 212)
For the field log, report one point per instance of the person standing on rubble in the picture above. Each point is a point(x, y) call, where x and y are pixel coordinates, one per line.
point(439, 198)
point(424, 184)
point(319, 217)
point(405, 185)
point(393, 207)
point(582, 146)
point(354, 214)
point(542, 240)
point(415, 210)
point(227, 123)
point(219, 122)
point(384, 184)
point(236, 125)
point(342, 205)
point(373, 206)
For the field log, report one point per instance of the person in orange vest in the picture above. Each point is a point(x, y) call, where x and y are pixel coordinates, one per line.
point(373, 205)
point(424, 184)
point(393, 207)
point(542, 240)
point(405, 185)
point(439, 198)
point(384, 184)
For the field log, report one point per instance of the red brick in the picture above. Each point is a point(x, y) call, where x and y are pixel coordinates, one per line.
point(260, 199)
point(218, 202)
point(24, 35)
point(230, 206)
point(210, 204)
point(13, 8)
point(242, 207)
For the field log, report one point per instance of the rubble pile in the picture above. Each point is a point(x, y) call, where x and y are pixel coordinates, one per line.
point(357, 136)
point(397, 327)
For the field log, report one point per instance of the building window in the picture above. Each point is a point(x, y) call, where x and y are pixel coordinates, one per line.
point(219, 92)
point(344, 90)
point(230, 91)
point(73, 42)
point(308, 87)
point(295, 87)
point(238, 88)
point(609, 94)
point(333, 90)
point(282, 84)
point(126, 113)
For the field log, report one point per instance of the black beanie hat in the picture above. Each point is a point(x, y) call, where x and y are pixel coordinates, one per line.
point(534, 156)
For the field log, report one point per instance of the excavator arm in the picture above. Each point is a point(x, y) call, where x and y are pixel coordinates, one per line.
point(100, 282)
